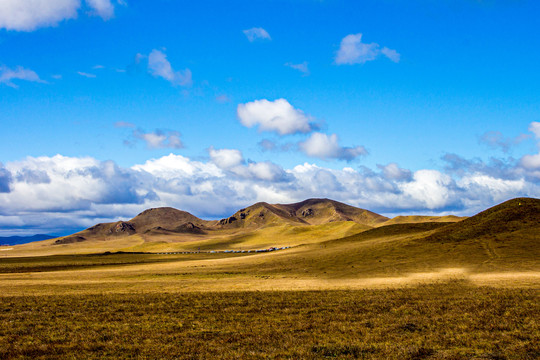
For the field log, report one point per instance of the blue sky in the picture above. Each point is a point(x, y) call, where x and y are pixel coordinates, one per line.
point(109, 107)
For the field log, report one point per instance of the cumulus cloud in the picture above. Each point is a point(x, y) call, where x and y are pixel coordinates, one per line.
point(394, 172)
point(303, 67)
point(5, 179)
point(29, 15)
point(257, 33)
point(59, 192)
point(160, 139)
point(51, 194)
point(7, 75)
point(232, 161)
point(353, 51)
point(326, 147)
point(226, 158)
point(278, 116)
point(159, 66)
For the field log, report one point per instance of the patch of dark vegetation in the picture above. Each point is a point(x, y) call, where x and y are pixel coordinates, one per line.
point(442, 321)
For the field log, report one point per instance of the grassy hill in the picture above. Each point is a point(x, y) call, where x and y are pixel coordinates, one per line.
point(503, 238)
point(411, 219)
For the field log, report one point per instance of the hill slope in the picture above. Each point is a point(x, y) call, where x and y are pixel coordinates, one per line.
point(321, 211)
point(412, 219)
point(512, 219)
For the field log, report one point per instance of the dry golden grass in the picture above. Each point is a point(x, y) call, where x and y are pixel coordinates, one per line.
point(450, 320)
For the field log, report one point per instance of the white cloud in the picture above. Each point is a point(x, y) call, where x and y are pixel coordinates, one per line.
point(303, 67)
point(103, 8)
point(7, 75)
point(87, 75)
point(394, 172)
point(47, 193)
point(257, 33)
point(327, 147)
point(29, 15)
point(534, 127)
point(532, 161)
point(278, 116)
point(391, 54)
point(226, 158)
point(160, 139)
point(159, 66)
point(353, 51)
point(429, 187)
point(267, 171)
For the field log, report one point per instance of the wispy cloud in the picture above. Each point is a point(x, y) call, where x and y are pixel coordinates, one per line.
point(7, 75)
point(496, 139)
point(102, 8)
point(353, 51)
point(257, 33)
point(160, 139)
point(303, 67)
point(123, 124)
point(87, 75)
point(223, 98)
point(159, 66)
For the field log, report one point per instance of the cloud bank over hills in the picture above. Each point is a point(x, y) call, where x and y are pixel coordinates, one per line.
point(48, 194)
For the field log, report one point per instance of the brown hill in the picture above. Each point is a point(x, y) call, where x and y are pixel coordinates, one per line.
point(321, 211)
point(513, 219)
point(166, 218)
point(159, 220)
point(307, 212)
point(259, 215)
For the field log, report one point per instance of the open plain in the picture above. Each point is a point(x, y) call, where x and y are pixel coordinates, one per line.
point(336, 287)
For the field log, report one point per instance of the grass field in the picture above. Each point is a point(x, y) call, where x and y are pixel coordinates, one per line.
point(452, 320)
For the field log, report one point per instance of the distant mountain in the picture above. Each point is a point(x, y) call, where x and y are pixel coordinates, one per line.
point(307, 212)
point(167, 220)
point(17, 240)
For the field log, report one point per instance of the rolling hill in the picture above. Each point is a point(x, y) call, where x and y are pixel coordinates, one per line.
point(245, 226)
point(326, 234)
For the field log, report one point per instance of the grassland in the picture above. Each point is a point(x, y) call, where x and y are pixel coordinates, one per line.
point(433, 290)
point(452, 320)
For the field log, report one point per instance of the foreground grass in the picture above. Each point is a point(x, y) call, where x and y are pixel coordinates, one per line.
point(453, 320)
